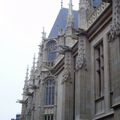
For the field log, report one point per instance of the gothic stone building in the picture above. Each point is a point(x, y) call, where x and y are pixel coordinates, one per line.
point(77, 73)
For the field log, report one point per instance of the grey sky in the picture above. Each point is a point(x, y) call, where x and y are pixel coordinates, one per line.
point(21, 23)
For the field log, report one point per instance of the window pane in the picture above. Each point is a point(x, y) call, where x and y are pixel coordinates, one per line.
point(49, 92)
point(99, 70)
point(51, 47)
point(45, 118)
point(49, 95)
point(52, 95)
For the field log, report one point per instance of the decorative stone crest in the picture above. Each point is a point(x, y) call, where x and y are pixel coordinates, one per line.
point(68, 67)
point(66, 77)
point(115, 27)
point(81, 58)
point(96, 13)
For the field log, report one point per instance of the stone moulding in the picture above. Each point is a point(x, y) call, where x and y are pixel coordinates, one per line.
point(97, 12)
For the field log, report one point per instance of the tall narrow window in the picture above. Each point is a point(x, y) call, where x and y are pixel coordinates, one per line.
point(99, 70)
point(99, 78)
point(51, 47)
point(49, 92)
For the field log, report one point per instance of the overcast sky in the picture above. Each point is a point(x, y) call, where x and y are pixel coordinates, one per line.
point(21, 23)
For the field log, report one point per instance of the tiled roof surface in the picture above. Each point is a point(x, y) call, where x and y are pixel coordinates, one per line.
point(60, 22)
point(96, 3)
point(61, 19)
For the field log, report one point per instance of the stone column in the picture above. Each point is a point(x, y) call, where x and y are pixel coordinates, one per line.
point(82, 85)
point(36, 105)
point(106, 75)
point(55, 99)
point(67, 98)
point(41, 105)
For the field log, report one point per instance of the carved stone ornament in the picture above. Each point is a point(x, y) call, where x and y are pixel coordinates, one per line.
point(67, 67)
point(66, 77)
point(115, 27)
point(96, 13)
point(80, 60)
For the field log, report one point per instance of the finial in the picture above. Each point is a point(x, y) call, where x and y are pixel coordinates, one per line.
point(70, 7)
point(84, 11)
point(70, 15)
point(61, 3)
point(84, 4)
point(33, 67)
point(43, 33)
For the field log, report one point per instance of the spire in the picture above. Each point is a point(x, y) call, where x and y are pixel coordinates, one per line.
point(61, 3)
point(83, 14)
point(26, 78)
point(70, 15)
point(33, 66)
point(39, 57)
point(33, 62)
point(70, 8)
point(32, 73)
point(43, 34)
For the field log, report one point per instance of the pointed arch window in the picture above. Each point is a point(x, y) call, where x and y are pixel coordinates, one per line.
point(49, 92)
point(51, 47)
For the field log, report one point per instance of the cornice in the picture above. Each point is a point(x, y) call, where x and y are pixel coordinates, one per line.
point(104, 19)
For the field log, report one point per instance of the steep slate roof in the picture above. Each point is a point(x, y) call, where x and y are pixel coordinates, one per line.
point(60, 22)
point(96, 3)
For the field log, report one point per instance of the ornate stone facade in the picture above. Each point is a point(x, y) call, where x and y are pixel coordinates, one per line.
point(77, 75)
